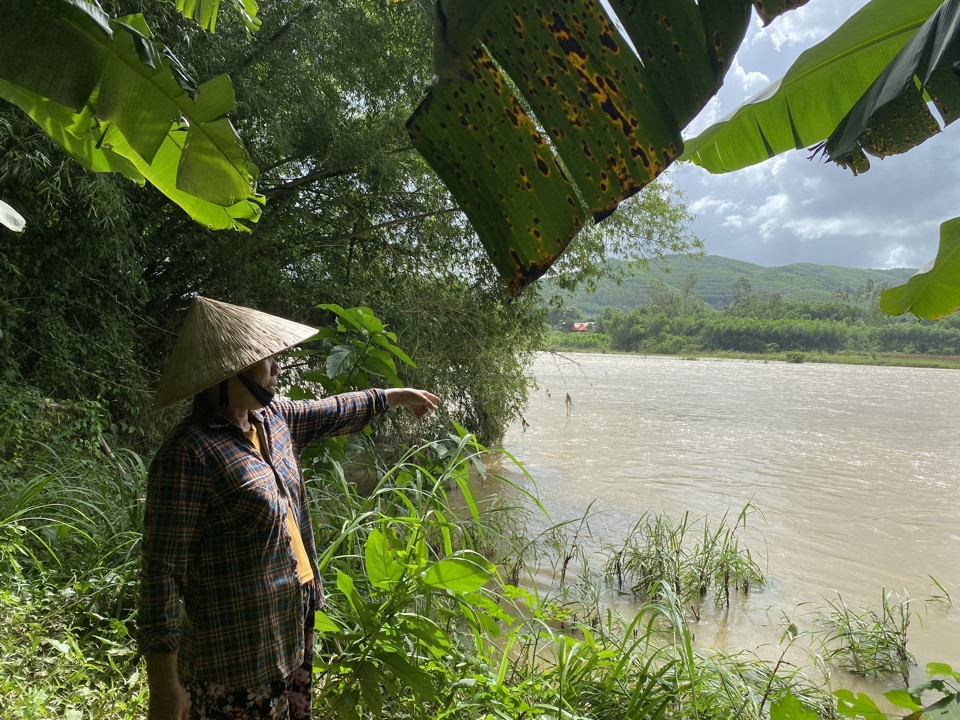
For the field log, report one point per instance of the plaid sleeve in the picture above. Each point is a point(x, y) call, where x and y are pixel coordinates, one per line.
point(348, 412)
point(176, 498)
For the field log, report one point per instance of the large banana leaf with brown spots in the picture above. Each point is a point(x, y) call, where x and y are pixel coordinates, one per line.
point(544, 117)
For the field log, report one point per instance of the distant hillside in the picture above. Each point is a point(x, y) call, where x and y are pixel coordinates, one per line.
point(716, 276)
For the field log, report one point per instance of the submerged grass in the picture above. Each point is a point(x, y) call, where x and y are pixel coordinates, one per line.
point(694, 563)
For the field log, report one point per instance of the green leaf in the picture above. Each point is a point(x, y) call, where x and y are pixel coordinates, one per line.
point(903, 699)
point(341, 360)
point(806, 105)
point(369, 676)
point(383, 569)
point(366, 319)
point(10, 218)
point(119, 102)
point(935, 292)
point(414, 677)
point(381, 362)
point(162, 174)
point(391, 347)
point(543, 115)
point(947, 708)
point(345, 317)
point(892, 116)
point(325, 624)
point(205, 13)
point(939, 668)
point(463, 573)
point(857, 706)
point(346, 587)
point(488, 152)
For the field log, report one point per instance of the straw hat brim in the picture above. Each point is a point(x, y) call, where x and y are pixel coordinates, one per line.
point(217, 341)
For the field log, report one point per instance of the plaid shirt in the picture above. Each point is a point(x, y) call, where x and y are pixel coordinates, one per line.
point(215, 535)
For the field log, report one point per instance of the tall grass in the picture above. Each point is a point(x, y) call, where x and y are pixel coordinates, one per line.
point(69, 537)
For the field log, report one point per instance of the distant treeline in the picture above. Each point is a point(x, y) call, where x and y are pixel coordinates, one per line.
point(674, 322)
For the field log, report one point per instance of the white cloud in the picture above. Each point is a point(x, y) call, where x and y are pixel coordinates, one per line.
point(751, 81)
point(711, 203)
point(898, 256)
point(794, 28)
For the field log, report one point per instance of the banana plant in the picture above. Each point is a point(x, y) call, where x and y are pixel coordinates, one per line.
point(117, 101)
point(863, 90)
point(543, 117)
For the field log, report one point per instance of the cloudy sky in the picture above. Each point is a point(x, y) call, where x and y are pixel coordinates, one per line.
point(791, 209)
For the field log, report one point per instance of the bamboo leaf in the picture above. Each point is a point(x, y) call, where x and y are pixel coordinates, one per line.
point(934, 292)
point(892, 116)
point(808, 103)
point(205, 13)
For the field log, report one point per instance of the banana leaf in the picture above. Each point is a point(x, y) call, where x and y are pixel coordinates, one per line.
point(112, 98)
point(805, 106)
point(543, 116)
point(892, 116)
point(205, 13)
point(935, 292)
point(10, 218)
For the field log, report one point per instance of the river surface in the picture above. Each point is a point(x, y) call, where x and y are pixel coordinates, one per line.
point(854, 471)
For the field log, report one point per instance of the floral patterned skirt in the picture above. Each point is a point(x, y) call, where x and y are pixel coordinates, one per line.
point(289, 699)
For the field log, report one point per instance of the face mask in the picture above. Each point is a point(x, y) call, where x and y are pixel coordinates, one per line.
point(259, 392)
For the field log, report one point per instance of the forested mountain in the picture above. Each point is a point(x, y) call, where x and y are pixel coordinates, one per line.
point(714, 278)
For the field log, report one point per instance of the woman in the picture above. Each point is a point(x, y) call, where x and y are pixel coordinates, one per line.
point(229, 579)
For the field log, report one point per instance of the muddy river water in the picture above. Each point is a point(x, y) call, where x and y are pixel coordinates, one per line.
point(854, 471)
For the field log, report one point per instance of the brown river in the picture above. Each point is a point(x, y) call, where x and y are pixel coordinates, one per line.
point(854, 471)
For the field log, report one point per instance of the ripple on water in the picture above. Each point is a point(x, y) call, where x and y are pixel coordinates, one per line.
point(854, 469)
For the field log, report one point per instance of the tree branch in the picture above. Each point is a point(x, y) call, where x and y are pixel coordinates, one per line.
point(393, 223)
point(308, 13)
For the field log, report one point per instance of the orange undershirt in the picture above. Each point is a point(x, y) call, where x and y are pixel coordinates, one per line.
point(299, 551)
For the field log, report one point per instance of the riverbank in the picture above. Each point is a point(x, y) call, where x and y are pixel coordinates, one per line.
point(944, 362)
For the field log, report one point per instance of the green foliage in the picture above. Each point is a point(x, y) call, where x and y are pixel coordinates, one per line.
point(931, 294)
point(359, 353)
point(584, 342)
point(117, 101)
point(936, 698)
point(784, 117)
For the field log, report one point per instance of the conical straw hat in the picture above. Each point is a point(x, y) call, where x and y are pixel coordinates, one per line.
point(217, 341)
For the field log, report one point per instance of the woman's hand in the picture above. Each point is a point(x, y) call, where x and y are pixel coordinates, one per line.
point(168, 699)
point(419, 402)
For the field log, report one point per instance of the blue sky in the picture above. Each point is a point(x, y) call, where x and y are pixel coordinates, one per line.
point(791, 209)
